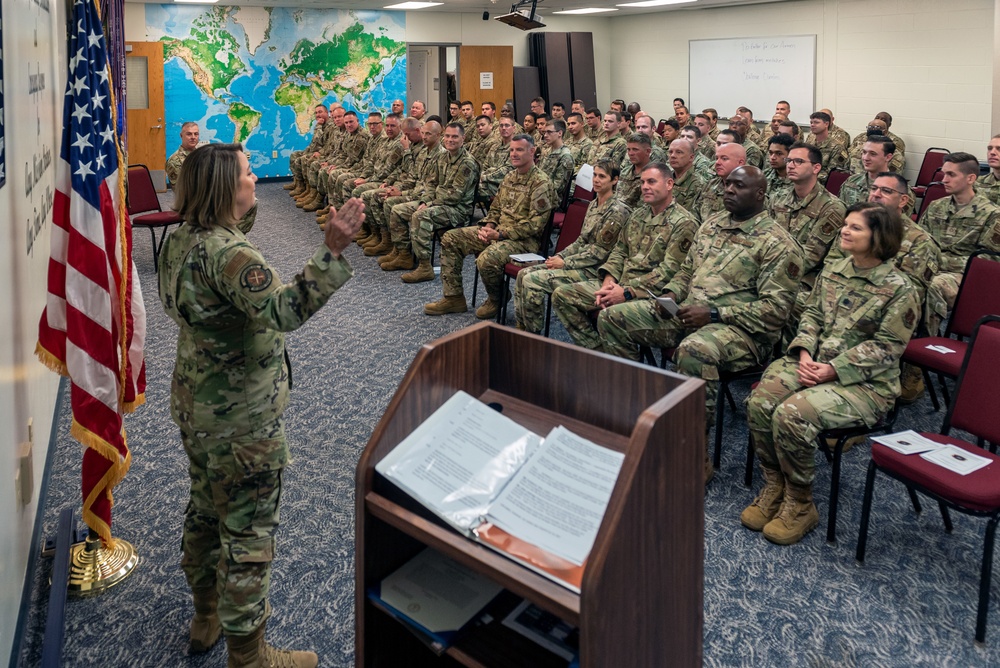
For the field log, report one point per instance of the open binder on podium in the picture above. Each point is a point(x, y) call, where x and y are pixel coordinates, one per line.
point(538, 501)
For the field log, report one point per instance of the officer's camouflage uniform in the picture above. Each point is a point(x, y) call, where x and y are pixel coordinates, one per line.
point(480, 148)
point(558, 165)
point(450, 204)
point(594, 134)
point(404, 178)
point(706, 147)
point(859, 321)
point(362, 169)
point(897, 163)
point(352, 155)
point(333, 139)
point(989, 187)
point(919, 258)
point(814, 222)
point(755, 157)
point(611, 148)
point(688, 190)
point(579, 149)
point(856, 189)
point(385, 167)
point(520, 211)
point(749, 271)
point(295, 160)
point(777, 184)
point(629, 188)
point(649, 250)
point(959, 232)
point(496, 167)
point(834, 154)
point(174, 163)
point(840, 134)
point(705, 167)
point(599, 234)
point(711, 199)
point(658, 154)
point(396, 211)
point(230, 388)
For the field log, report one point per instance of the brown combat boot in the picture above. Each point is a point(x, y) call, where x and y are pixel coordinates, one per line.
point(831, 443)
point(796, 517)
point(300, 187)
point(423, 272)
point(375, 239)
point(307, 196)
point(363, 233)
point(252, 651)
point(444, 305)
point(382, 247)
point(911, 384)
point(766, 505)
point(404, 260)
point(315, 204)
point(289, 186)
point(393, 254)
point(488, 310)
point(205, 627)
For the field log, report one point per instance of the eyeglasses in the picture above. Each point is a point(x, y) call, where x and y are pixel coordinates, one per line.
point(551, 132)
point(798, 161)
point(885, 190)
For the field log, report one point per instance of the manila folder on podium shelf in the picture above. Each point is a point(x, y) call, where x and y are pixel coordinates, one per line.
point(539, 502)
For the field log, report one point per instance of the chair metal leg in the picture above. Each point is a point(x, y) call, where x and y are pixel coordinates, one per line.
point(156, 249)
point(475, 286)
point(866, 509)
point(748, 473)
point(985, 578)
point(729, 396)
point(831, 521)
point(548, 313)
point(502, 311)
point(944, 390)
point(720, 414)
point(914, 500)
point(929, 384)
point(945, 517)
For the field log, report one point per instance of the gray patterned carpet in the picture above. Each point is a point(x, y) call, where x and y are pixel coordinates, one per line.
point(911, 604)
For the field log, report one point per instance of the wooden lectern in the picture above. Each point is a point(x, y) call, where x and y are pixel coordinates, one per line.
point(641, 600)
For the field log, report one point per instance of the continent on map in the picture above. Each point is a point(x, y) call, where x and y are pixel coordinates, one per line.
point(245, 119)
point(210, 52)
point(346, 63)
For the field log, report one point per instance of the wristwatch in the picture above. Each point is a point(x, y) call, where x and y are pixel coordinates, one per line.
point(713, 314)
point(627, 294)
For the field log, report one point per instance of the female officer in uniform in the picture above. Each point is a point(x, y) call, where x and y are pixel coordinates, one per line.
point(841, 369)
point(230, 387)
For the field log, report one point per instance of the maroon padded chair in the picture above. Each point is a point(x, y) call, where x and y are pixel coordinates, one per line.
point(978, 296)
point(569, 232)
point(835, 181)
point(933, 159)
point(974, 410)
point(144, 208)
point(935, 191)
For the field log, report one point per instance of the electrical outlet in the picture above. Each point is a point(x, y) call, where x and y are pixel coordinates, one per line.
point(274, 154)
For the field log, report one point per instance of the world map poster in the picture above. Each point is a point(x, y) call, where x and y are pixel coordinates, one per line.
point(254, 74)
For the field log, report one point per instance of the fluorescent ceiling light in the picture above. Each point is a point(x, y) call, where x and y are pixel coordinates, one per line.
point(413, 5)
point(587, 10)
point(196, 2)
point(654, 3)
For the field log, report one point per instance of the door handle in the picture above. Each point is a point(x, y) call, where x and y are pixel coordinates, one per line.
point(156, 127)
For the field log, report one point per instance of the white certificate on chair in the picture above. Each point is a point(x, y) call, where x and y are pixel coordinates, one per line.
point(956, 459)
point(907, 442)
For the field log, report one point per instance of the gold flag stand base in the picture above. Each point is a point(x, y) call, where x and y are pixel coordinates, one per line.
point(93, 568)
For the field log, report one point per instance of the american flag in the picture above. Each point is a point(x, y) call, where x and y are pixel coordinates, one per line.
point(94, 324)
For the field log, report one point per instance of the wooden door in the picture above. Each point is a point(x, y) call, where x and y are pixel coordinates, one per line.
point(147, 143)
point(473, 62)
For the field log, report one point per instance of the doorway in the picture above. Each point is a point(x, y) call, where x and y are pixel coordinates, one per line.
point(432, 76)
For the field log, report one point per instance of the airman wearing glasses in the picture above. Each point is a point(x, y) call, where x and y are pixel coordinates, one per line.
point(919, 257)
point(876, 156)
point(557, 162)
point(962, 223)
point(882, 121)
point(811, 215)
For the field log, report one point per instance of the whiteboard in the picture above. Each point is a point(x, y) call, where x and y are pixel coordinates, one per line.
point(753, 72)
